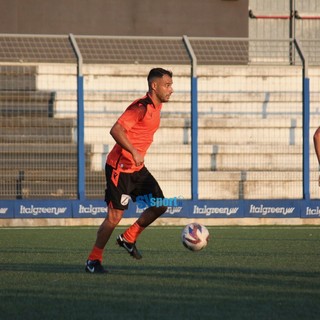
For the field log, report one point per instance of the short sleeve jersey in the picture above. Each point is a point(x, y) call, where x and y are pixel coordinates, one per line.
point(139, 130)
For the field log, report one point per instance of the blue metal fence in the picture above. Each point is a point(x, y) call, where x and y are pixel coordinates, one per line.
point(193, 208)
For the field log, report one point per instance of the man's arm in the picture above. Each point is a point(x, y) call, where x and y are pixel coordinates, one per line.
point(118, 132)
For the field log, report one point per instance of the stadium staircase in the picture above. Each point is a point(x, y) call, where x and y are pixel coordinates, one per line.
point(33, 143)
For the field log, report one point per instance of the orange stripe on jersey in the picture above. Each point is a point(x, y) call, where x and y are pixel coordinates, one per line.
point(115, 177)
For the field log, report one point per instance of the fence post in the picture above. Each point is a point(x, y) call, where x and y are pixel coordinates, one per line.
point(306, 146)
point(292, 30)
point(305, 122)
point(194, 120)
point(80, 121)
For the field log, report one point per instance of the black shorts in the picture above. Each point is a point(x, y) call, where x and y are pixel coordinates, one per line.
point(121, 187)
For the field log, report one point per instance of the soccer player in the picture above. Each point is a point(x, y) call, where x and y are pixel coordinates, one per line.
point(126, 175)
point(316, 141)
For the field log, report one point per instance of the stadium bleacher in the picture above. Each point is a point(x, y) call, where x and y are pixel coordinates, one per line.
point(250, 135)
point(247, 148)
point(33, 143)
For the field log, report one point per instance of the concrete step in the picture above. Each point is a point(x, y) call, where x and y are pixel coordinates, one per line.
point(126, 97)
point(27, 103)
point(21, 149)
point(133, 77)
point(239, 185)
point(21, 156)
point(236, 82)
point(48, 184)
point(217, 157)
point(25, 122)
point(176, 130)
point(52, 162)
point(43, 189)
point(212, 185)
point(219, 103)
point(17, 77)
point(32, 138)
point(180, 120)
point(36, 129)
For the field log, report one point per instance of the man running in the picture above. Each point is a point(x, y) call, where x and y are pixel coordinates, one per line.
point(126, 175)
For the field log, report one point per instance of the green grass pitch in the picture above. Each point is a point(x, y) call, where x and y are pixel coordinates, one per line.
point(244, 273)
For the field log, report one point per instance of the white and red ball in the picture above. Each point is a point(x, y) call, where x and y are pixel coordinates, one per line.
point(195, 236)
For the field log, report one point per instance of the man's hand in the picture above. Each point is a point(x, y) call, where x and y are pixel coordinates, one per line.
point(138, 158)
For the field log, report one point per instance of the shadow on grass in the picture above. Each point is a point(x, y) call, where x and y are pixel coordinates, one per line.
point(169, 271)
point(138, 291)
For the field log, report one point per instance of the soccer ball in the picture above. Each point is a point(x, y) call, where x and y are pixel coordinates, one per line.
point(195, 236)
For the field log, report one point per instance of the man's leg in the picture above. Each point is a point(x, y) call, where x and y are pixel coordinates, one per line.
point(108, 225)
point(130, 236)
point(146, 185)
point(146, 218)
point(103, 235)
point(150, 215)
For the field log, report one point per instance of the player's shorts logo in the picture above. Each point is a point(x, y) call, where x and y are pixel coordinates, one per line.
point(125, 199)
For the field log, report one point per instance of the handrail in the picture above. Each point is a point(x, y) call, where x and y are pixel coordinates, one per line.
point(255, 16)
point(295, 15)
point(305, 16)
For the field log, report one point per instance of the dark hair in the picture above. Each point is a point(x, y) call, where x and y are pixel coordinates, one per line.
point(158, 73)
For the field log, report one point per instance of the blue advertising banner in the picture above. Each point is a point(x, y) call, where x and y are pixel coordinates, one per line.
point(217, 209)
point(42, 209)
point(310, 209)
point(272, 209)
point(89, 209)
point(6, 209)
point(177, 209)
point(201, 209)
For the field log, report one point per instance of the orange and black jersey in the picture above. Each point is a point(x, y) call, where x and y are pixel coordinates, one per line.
point(140, 120)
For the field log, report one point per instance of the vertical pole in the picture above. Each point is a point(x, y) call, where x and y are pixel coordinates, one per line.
point(194, 121)
point(305, 122)
point(306, 145)
point(292, 30)
point(80, 122)
point(194, 138)
point(80, 145)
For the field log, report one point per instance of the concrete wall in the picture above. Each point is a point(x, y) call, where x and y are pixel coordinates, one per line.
point(214, 18)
